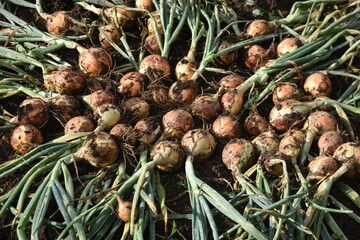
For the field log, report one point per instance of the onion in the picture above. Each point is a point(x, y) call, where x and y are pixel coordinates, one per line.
point(69, 80)
point(185, 68)
point(266, 141)
point(321, 167)
point(255, 124)
point(151, 44)
point(349, 154)
point(136, 108)
point(151, 24)
point(117, 15)
point(287, 45)
point(272, 161)
point(231, 81)
point(125, 133)
point(99, 97)
point(111, 32)
point(124, 209)
point(183, 92)
point(155, 67)
point(228, 58)
point(95, 61)
point(64, 107)
point(160, 94)
point(168, 156)
point(291, 144)
point(131, 84)
point(259, 27)
point(33, 111)
point(238, 155)
point(107, 115)
point(232, 101)
point(199, 144)
point(206, 107)
point(226, 127)
point(145, 4)
point(58, 23)
point(329, 142)
point(79, 124)
point(285, 91)
point(26, 137)
point(99, 149)
point(148, 130)
point(255, 56)
point(176, 123)
point(318, 84)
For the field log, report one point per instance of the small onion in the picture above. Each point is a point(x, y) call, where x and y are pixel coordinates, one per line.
point(185, 69)
point(58, 23)
point(99, 149)
point(199, 144)
point(285, 91)
point(183, 92)
point(231, 81)
point(318, 84)
point(349, 154)
point(124, 209)
point(64, 107)
point(259, 27)
point(121, 16)
point(26, 137)
point(124, 132)
point(255, 124)
point(148, 130)
point(291, 144)
point(151, 44)
point(33, 111)
point(95, 61)
point(226, 127)
point(69, 80)
point(79, 124)
point(136, 108)
point(238, 155)
point(160, 94)
point(228, 58)
point(112, 32)
point(266, 141)
point(107, 115)
point(206, 107)
point(168, 156)
point(232, 101)
point(255, 56)
point(287, 45)
point(329, 142)
point(321, 167)
point(131, 84)
point(176, 123)
point(99, 97)
point(155, 67)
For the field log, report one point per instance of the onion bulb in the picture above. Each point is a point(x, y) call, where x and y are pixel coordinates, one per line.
point(238, 155)
point(226, 127)
point(107, 115)
point(176, 123)
point(232, 101)
point(153, 24)
point(151, 44)
point(287, 45)
point(168, 156)
point(33, 111)
point(185, 68)
point(69, 80)
point(145, 4)
point(199, 144)
point(99, 97)
point(206, 107)
point(318, 84)
point(349, 154)
point(160, 94)
point(117, 15)
point(183, 92)
point(136, 108)
point(148, 130)
point(231, 81)
point(259, 27)
point(228, 58)
point(25, 137)
point(255, 124)
point(291, 144)
point(125, 133)
point(255, 56)
point(322, 166)
point(131, 84)
point(329, 142)
point(64, 107)
point(266, 141)
point(58, 23)
point(124, 209)
point(112, 32)
point(95, 61)
point(155, 67)
point(99, 149)
point(79, 124)
point(285, 91)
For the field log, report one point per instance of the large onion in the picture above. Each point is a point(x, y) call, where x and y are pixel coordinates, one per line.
point(259, 27)
point(255, 124)
point(95, 61)
point(286, 91)
point(148, 130)
point(176, 123)
point(136, 108)
point(226, 127)
point(206, 107)
point(58, 23)
point(199, 144)
point(79, 124)
point(131, 84)
point(33, 111)
point(318, 84)
point(321, 167)
point(183, 92)
point(156, 67)
point(69, 80)
point(168, 156)
point(238, 155)
point(107, 115)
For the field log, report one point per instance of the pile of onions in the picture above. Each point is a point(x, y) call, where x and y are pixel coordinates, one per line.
point(26, 137)
point(33, 111)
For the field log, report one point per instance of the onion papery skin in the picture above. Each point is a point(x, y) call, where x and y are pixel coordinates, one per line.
point(95, 61)
point(286, 91)
point(291, 144)
point(58, 23)
point(160, 94)
point(132, 84)
point(176, 123)
point(329, 142)
point(151, 45)
point(318, 84)
point(266, 141)
point(349, 154)
point(226, 127)
point(231, 81)
point(99, 149)
point(238, 155)
point(258, 28)
point(169, 156)
point(199, 144)
point(99, 97)
point(151, 24)
point(144, 4)
point(33, 111)
point(286, 46)
point(228, 58)
point(254, 57)
point(79, 124)
point(320, 122)
point(69, 80)
point(206, 107)
point(25, 137)
point(232, 101)
point(321, 167)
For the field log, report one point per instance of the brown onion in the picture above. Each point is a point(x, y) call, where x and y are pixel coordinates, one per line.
point(99, 149)
point(151, 44)
point(321, 167)
point(318, 84)
point(286, 91)
point(156, 23)
point(349, 154)
point(33, 111)
point(206, 107)
point(58, 23)
point(64, 107)
point(238, 155)
point(255, 124)
point(155, 67)
point(124, 132)
point(107, 115)
point(185, 69)
point(287, 45)
point(148, 130)
point(117, 15)
point(231, 81)
point(112, 32)
point(291, 144)
point(131, 84)
point(145, 4)
point(266, 141)
point(228, 58)
point(136, 108)
point(168, 156)
point(329, 142)
point(99, 97)
point(255, 56)
point(176, 123)
point(259, 27)
point(95, 61)
point(160, 94)
point(232, 101)
point(26, 137)
point(69, 80)
point(124, 209)
point(79, 124)
point(199, 144)
point(183, 92)
point(226, 127)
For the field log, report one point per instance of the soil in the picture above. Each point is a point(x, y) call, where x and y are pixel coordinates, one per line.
point(213, 171)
